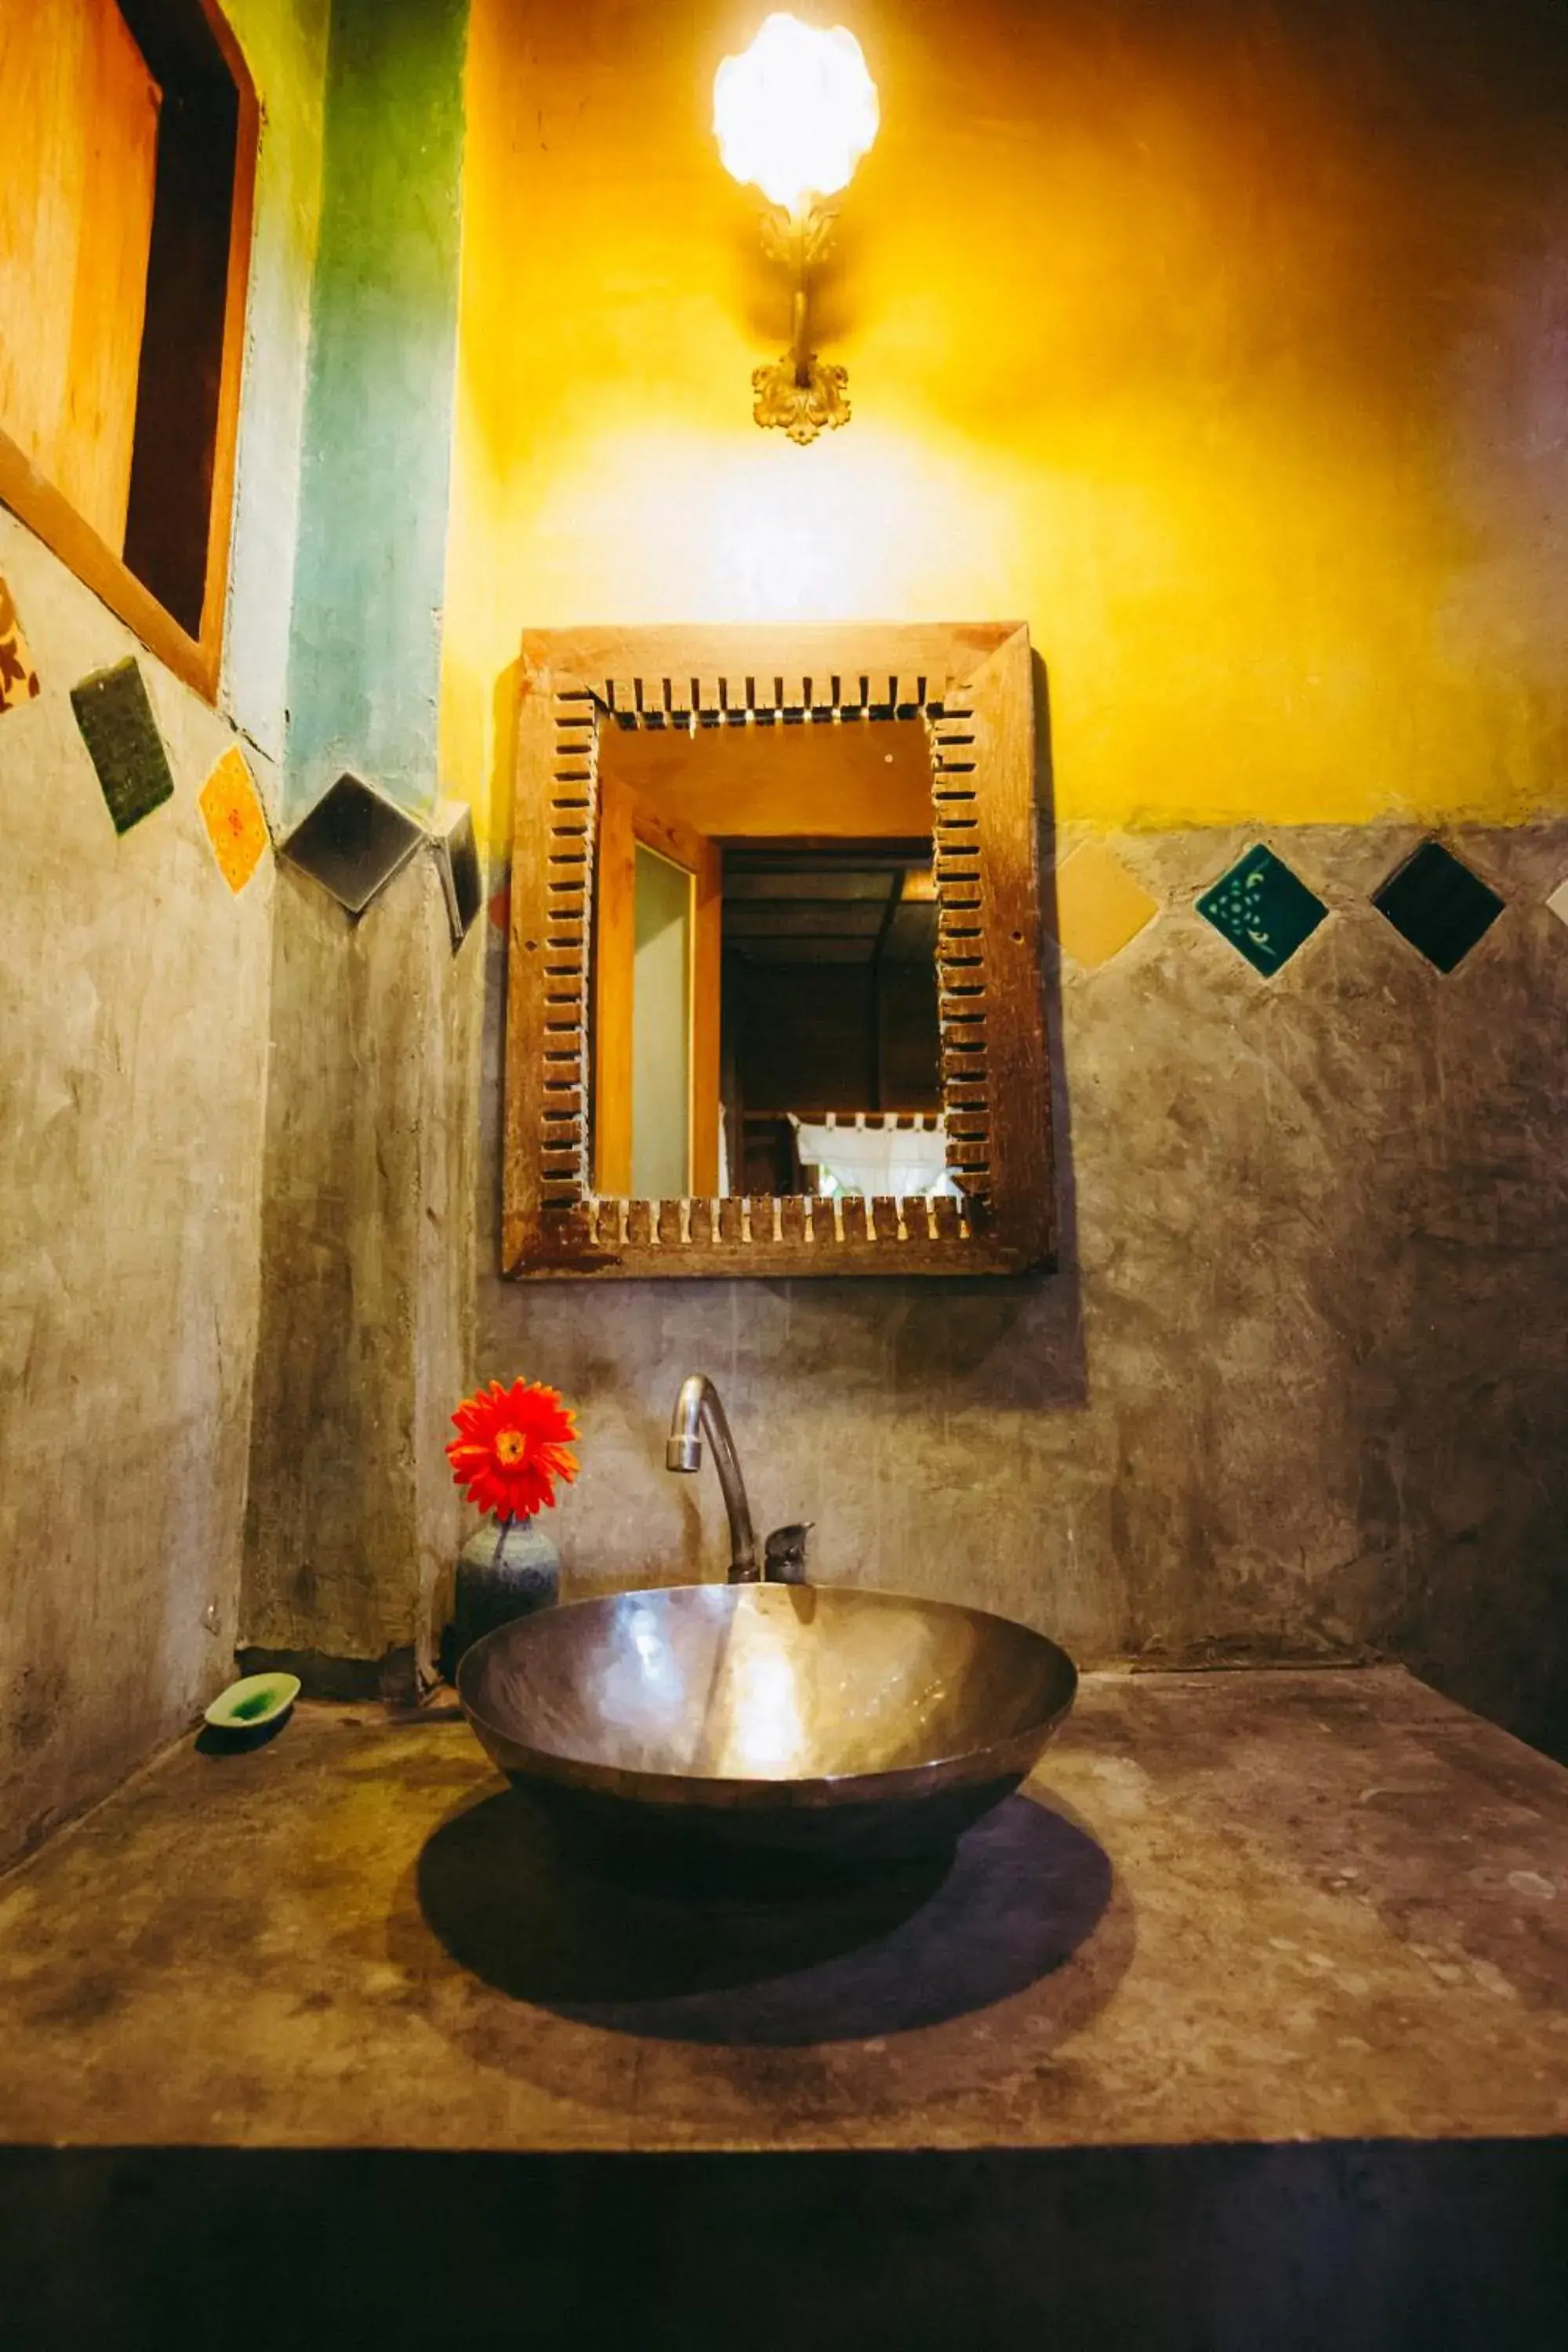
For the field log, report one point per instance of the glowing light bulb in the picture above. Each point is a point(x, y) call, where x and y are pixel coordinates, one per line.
point(794, 113)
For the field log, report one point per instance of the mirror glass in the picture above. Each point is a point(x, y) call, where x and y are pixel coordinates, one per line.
point(764, 1001)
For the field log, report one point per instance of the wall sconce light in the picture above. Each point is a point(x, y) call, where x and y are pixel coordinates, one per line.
point(793, 116)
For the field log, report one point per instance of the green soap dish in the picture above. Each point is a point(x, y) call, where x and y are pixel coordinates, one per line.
point(252, 1701)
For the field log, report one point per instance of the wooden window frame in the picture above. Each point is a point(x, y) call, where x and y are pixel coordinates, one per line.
point(973, 685)
point(34, 500)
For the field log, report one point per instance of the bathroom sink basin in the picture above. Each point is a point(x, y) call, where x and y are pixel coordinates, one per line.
point(826, 1724)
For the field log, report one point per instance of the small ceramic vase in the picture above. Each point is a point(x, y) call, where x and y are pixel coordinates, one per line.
point(502, 1573)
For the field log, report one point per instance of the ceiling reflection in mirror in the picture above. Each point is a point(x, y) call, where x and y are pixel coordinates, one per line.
point(764, 998)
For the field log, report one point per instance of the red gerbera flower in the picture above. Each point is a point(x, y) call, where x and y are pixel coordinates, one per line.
point(511, 1446)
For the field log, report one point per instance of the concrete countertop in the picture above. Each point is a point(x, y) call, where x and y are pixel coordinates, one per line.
point(1241, 1906)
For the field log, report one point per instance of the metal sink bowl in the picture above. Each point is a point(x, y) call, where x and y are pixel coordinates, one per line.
point(819, 1724)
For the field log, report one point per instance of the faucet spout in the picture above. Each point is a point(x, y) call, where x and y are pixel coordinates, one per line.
point(697, 1409)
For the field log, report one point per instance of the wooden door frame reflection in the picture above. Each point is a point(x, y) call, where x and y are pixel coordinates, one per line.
point(625, 820)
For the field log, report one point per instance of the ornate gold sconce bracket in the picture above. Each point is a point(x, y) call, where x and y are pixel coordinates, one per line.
point(800, 392)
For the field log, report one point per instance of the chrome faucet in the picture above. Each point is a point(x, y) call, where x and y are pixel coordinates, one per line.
point(697, 1409)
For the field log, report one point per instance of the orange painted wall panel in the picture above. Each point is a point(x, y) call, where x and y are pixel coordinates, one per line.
point(78, 132)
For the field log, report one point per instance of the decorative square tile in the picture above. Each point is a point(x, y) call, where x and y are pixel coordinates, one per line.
point(1438, 905)
point(457, 863)
point(124, 743)
point(232, 816)
point(1100, 907)
point(1262, 909)
point(353, 841)
point(1558, 902)
point(19, 679)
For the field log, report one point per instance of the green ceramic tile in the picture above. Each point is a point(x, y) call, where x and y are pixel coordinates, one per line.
point(1262, 909)
point(124, 743)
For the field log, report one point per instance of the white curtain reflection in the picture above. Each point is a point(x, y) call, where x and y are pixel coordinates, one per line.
point(854, 1155)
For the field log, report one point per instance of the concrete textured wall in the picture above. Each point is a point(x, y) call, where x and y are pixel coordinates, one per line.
point(1298, 1389)
point(364, 1346)
point(364, 1340)
point(132, 1076)
point(133, 1069)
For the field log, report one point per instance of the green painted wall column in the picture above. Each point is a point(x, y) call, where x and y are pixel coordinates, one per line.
point(366, 640)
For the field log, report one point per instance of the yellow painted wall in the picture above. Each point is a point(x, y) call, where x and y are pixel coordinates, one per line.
point(1225, 342)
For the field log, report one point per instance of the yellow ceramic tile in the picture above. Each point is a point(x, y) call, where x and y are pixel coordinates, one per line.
point(232, 814)
point(1100, 907)
point(19, 679)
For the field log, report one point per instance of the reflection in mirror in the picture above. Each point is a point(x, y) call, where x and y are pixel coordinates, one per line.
point(663, 897)
point(764, 1010)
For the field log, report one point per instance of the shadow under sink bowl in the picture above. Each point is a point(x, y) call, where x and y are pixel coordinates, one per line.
point(807, 1726)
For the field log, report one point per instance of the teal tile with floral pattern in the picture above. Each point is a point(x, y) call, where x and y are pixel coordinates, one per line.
point(1262, 909)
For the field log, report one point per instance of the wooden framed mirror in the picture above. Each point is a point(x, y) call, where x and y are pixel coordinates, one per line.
point(775, 1000)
